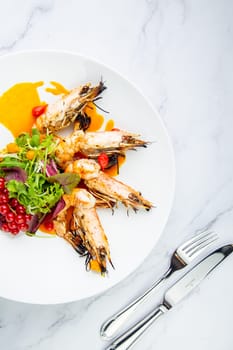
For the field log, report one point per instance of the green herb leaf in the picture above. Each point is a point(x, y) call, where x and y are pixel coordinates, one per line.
point(67, 180)
point(37, 194)
point(22, 139)
point(12, 162)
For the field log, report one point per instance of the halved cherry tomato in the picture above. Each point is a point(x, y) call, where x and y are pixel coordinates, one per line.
point(38, 110)
point(103, 160)
point(48, 225)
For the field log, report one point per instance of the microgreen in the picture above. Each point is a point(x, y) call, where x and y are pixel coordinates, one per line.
point(37, 194)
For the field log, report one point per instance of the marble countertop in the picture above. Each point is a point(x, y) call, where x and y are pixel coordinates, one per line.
point(179, 53)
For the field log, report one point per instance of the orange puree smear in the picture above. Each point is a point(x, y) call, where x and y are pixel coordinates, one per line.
point(58, 89)
point(16, 106)
point(113, 170)
point(96, 118)
point(110, 125)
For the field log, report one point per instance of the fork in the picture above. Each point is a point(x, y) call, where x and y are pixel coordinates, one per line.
point(181, 257)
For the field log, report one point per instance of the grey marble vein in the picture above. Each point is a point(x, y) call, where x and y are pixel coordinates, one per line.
point(34, 15)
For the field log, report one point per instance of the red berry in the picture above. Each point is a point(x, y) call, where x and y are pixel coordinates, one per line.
point(14, 231)
point(12, 226)
point(10, 217)
point(28, 217)
point(23, 226)
point(14, 202)
point(20, 209)
point(5, 227)
point(20, 219)
point(4, 198)
point(4, 209)
point(5, 191)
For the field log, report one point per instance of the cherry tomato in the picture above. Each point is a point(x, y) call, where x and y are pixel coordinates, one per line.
point(38, 110)
point(103, 160)
point(48, 225)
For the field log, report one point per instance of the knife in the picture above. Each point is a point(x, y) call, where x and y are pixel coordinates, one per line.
point(173, 296)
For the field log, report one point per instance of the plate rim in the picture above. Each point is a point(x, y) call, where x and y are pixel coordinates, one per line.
point(169, 142)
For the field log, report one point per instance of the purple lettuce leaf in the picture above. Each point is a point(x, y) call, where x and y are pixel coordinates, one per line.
point(35, 223)
point(54, 211)
point(15, 173)
point(39, 219)
point(51, 168)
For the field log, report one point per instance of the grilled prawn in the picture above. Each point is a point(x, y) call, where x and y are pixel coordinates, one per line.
point(67, 109)
point(91, 144)
point(106, 189)
point(83, 229)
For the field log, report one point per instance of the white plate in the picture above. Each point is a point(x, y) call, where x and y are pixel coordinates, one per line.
point(48, 271)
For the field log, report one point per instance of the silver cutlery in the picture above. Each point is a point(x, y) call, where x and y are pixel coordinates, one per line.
point(182, 256)
point(173, 296)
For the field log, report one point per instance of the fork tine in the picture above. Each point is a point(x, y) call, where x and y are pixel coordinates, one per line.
point(194, 239)
point(199, 242)
point(195, 251)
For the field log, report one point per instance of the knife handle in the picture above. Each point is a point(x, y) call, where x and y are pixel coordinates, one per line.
point(110, 327)
point(129, 338)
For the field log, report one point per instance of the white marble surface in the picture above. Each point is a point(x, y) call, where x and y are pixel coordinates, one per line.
point(180, 53)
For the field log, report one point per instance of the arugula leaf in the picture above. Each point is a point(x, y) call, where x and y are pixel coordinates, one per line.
point(12, 162)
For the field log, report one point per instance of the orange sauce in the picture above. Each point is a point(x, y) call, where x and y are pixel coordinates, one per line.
point(113, 170)
point(97, 119)
point(58, 89)
point(16, 106)
point(15, 114)
point(109, 125)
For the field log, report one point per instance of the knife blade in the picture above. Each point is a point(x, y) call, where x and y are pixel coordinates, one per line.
point(173, 296)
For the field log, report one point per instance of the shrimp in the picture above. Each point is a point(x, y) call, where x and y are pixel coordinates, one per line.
point(105, 188)
point(67, 109)
point(83, 230)
point(91, 144)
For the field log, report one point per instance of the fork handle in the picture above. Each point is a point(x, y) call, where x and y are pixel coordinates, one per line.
point(114, 323)
point(129, 338)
